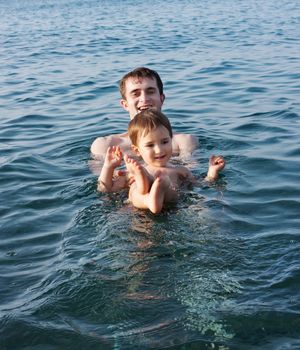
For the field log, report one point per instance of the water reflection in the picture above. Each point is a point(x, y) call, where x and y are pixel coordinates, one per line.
point(146, 278)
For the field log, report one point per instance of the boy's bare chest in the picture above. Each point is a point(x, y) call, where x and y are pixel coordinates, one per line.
point(172, 173)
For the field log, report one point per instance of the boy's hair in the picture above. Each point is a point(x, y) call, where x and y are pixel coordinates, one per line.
point(140, 73)
point(146, 121)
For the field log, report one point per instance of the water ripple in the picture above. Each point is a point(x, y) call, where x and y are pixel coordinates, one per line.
point(81, 269)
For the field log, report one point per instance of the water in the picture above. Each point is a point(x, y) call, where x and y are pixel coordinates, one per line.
point(83, 270)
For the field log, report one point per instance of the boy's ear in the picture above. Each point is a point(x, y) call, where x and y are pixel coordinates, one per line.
point(135, 150)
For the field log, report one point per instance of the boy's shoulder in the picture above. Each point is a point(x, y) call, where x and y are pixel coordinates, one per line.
point(184, 174)
point(178, 169)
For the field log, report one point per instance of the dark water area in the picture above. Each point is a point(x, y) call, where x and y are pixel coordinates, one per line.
point(84, 270)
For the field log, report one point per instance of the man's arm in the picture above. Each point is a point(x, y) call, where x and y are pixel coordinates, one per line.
point(184, 144)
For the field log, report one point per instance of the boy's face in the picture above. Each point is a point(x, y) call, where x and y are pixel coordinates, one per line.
point(156, 147)
point(141, 94)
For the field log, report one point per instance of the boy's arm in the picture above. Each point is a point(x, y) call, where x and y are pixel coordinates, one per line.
point(113, 159)
point(186, 175)
point(105, 179)
point(215, 165)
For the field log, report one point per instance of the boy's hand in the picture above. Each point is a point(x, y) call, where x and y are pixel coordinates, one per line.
point(113, 157)
point(217, 163)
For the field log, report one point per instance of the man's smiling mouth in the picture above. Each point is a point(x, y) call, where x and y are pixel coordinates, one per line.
point(144, 108)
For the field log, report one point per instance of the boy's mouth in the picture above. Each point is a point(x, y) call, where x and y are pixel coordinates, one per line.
point(160, 157)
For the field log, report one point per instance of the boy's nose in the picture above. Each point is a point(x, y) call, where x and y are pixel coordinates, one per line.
point(157, 149)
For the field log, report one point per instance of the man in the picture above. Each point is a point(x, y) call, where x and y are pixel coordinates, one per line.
point(142, 89)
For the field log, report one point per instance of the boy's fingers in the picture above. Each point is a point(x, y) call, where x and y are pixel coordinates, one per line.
point(211, 159)
point(216, 160)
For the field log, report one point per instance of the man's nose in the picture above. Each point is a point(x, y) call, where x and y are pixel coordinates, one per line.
point(143, 96)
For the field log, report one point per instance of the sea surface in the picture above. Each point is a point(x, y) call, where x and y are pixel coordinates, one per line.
point(84, 270)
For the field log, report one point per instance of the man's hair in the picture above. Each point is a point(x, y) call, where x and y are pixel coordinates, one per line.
point(146, 121)
point(140, 73)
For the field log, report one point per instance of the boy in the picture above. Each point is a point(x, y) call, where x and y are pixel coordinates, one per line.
point(141, 89)
point(156, 183)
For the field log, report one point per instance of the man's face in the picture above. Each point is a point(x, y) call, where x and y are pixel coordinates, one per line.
point(141, 94)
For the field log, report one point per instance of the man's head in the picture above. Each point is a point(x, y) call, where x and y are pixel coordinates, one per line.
point(141, 89)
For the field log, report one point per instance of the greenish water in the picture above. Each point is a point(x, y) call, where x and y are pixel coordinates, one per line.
point(84, 270)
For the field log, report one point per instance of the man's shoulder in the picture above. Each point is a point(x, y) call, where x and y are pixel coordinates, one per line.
point(186, 138)
point(185, 144)
point(100, 144)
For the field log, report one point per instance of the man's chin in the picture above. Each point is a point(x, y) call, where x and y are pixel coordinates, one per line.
point(152, 108)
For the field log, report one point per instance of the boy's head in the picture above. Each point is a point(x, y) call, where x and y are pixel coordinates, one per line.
point(150, 133)
point(146, 121)
point(141, 89)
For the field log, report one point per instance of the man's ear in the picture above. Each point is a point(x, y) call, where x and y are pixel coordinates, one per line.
point(135, 150)
point(124, 104)
point(162, 98)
